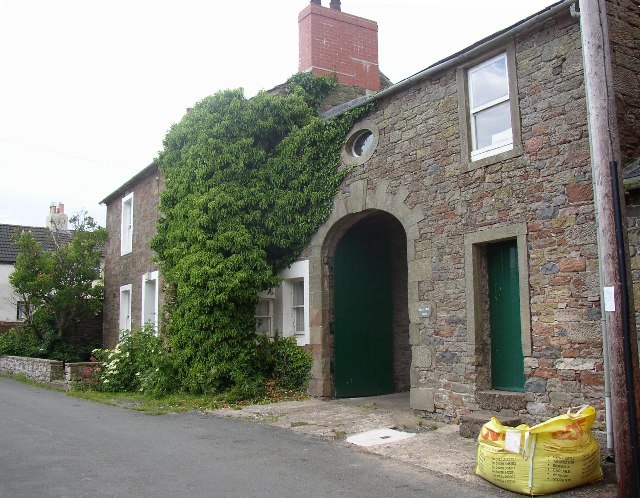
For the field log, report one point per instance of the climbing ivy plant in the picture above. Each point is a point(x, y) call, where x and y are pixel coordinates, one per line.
point(248, 182)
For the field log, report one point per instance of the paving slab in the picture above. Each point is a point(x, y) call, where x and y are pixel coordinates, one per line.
point(436, 447)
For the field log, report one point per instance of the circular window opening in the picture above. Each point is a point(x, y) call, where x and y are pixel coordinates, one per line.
point(362, 144)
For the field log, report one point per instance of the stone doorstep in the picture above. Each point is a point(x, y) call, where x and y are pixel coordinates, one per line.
point(471, 424)
point(493, 400)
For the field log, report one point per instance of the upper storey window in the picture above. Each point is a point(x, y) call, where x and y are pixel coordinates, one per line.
point(490, 108)
point(126, 230)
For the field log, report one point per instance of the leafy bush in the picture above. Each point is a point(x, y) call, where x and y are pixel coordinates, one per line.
point(20, 342)
point(138, 363)
point(291, 365)
point(285, 363)
point(23, 341)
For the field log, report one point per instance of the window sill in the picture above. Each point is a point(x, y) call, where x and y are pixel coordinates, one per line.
point(469, 165)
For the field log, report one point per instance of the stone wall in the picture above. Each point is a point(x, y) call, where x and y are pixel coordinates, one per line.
point(633, 232)
point(623, 18)
point(79, 372)
point(128, 268)
point(37, 369)
point(543, 184)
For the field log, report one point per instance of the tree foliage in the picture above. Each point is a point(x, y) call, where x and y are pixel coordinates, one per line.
point(249, 181)
point(61, 287)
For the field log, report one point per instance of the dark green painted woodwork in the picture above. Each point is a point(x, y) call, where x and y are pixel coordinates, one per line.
point(507, 361)
point(363, 349)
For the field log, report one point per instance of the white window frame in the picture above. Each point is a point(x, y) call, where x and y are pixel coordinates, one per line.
point(268, 297)
point(296, 272)
point(151, 276)
point(506, 144)
point(21, 311)
point(295, 307)
point(126, 225)
point(125, 307)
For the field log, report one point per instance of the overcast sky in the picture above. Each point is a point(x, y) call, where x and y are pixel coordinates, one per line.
point(89, 88)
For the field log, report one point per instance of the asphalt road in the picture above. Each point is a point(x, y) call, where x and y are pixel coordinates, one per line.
point(53, 445)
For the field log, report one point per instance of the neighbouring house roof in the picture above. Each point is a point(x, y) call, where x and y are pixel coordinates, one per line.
point(151, 169)
point(47, 239)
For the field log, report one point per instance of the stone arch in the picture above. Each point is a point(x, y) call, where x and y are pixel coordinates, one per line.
point(350, 206)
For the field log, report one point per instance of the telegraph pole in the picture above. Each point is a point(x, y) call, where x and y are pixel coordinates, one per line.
point(616, 297)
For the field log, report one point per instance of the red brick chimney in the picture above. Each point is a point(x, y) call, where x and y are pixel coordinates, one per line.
point(332, 42)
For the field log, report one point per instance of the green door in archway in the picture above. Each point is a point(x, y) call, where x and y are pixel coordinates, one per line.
point(363, 348)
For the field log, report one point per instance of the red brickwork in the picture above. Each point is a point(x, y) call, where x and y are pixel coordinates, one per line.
point(333, 42)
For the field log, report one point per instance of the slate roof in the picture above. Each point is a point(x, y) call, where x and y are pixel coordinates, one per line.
point(44, 236)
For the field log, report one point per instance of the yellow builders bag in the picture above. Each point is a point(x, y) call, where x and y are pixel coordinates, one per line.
point(555, 455)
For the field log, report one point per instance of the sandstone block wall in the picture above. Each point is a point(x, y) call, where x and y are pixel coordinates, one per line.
point(79, 372)
point(544, 183)
point(623, 19)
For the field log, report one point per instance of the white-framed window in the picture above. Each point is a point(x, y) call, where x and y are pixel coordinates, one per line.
point(125, 307)
point(297, 306)
point(21, 310)
point(292, 303)
point(150, 299)
point(490, 107)
point(264, 317)
point(126, 229)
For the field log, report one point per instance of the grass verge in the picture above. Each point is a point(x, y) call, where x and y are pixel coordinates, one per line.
point(181, 402)
point(174, 403)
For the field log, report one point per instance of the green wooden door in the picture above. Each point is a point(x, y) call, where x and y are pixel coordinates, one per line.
point(507, 361)
point(363, 356)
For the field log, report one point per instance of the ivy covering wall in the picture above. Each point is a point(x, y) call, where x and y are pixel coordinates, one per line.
point(248, 182)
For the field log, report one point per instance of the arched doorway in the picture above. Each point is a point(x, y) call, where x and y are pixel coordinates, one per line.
point(371, 350)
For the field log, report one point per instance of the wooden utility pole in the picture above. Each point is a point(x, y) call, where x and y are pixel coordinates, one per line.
point(617, 299)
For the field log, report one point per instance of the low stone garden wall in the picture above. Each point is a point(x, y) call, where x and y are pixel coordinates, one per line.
point(79, 372)
point(42, 370)
point(33, 368)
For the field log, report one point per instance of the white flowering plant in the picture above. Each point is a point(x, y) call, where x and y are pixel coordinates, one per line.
point(139, 363)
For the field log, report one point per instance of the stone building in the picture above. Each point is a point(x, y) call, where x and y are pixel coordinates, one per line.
point(132, 281)
point(460, 259)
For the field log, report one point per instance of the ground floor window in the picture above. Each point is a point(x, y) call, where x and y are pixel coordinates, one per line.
point(21, 310)
point(284, 310)
point(150, 299)
point(297, 306)
point(125, 307)
point(264, 317)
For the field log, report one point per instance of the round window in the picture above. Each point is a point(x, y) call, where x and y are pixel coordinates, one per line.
point(362, 144)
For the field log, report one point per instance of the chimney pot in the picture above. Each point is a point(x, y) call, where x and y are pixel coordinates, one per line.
point(317, 2)
point(57, 220)
point(335, 4)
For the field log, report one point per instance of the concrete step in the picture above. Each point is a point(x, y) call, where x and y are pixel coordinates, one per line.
point(471, 424)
